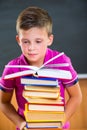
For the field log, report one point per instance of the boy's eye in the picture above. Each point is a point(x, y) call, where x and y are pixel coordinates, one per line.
point(38, 41)
point(25, 42)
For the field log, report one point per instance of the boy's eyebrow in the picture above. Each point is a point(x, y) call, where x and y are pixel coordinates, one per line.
point(39, 39)
point(35, 38)
point(24, 39)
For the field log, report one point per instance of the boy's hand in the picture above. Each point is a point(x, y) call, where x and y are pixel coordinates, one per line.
point(66, 126)
point(23, 126)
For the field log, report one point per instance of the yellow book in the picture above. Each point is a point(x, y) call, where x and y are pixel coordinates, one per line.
point(43, 116)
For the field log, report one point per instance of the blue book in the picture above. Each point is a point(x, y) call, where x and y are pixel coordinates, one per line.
point(39, 81)
point(44, 125)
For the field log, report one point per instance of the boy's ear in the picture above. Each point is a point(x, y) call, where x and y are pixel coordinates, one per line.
point(50, 40)
point(17, 39)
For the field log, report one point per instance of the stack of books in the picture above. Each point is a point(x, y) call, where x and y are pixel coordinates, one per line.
point(44, 107)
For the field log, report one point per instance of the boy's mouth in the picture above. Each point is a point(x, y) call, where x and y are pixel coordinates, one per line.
point(32, 54)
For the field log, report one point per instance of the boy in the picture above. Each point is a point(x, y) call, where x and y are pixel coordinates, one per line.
point(34, 35)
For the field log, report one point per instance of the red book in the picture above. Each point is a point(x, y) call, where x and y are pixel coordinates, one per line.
point(45, 107)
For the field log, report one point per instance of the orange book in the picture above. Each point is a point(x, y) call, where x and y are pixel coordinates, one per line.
point(44, 100)
point(42, 88)
point(37, 94)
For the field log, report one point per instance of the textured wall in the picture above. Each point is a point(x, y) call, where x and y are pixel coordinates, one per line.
point(69, 29)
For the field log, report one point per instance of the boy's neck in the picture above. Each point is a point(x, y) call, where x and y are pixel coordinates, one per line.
point(38, 64)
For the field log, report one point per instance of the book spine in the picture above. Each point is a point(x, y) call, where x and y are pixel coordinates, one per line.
point(40, 78)
point(41, 104)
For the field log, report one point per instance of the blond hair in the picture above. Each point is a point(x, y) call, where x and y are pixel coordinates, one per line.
point(34, 17)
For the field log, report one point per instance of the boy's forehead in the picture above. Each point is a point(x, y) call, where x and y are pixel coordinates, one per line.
point(33, 28)
point(33, 31)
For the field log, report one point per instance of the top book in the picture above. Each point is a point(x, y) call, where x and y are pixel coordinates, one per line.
point(46, 70)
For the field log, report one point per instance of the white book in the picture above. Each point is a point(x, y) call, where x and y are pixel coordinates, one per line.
point(46, 107)
point(51, 71)
point(54, 73)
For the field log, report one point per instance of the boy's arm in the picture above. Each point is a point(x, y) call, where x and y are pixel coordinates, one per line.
point(8, 109)
point(75, 98)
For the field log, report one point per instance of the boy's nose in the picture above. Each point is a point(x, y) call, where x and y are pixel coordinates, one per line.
point(31, 47)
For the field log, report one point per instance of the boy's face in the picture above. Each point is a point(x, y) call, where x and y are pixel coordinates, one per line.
point(33, 43)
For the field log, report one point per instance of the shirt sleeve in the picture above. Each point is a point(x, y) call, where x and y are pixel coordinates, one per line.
point(7, 85)
point(74, 76)
point(70, 68)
